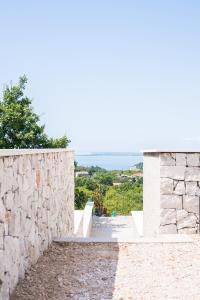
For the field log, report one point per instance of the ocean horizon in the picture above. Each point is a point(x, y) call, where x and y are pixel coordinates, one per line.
point(110, 160)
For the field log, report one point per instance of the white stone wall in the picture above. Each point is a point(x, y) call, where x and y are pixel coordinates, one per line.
point(151, 194)
point(36, 204)
point(179, 192)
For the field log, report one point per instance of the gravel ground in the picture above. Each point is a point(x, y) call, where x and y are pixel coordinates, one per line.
point(114, 271)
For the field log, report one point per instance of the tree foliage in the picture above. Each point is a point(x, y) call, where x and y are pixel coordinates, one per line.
point(123, 199)
point(108, 198)
point(19, 124)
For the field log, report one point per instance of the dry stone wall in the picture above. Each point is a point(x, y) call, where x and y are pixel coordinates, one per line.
point(179, 192)
point(36, 204)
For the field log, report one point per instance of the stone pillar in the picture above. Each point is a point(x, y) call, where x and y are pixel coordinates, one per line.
point(171, 192)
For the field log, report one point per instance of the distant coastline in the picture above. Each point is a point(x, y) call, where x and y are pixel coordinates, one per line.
point(111, 154)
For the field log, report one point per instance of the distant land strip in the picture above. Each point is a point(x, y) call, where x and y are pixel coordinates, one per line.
point(112, 154)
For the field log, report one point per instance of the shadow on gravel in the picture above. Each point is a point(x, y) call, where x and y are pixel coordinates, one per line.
point(71, 271)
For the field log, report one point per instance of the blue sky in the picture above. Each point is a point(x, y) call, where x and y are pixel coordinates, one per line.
point(113, 75)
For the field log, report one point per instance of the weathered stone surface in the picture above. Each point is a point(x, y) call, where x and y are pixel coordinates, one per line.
point(167, 159)
point(185, 176)
point(192, 174)
point(180, 188)
point(181, 214)
point(1, 235)
point(192, 189)
point(181, 159)
point(9, 197)
point(193, 160)
point(191, 203)
point(171, 201)
point(173, 172)
point(2, 211)
point(187, 230)
point(36, 204)
point(169, 229)
point(168, 216)
point(166, 186)
point(187, 222)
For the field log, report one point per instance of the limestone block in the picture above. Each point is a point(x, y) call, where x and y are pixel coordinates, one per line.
point(173, 172)
point(14, 225)
point(8, 200)
point(187, 230)
point(168, 229)
point(167, 159)
point(1, 265)
point(1, 235)
point(192, 188)
point(167, 216)
point(180, 188)
point(191, 203)
point(189, 221)
point(171, 201)
point(193, 160)
point(181, 159)
point(2, 211)
point(166, 186)
point(192, 174)
point(181, 214)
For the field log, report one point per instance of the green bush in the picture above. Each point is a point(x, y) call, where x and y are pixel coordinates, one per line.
point(123, 199)
point(81, 197)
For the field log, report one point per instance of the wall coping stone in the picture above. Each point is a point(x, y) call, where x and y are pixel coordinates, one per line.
point(169, 151)
point(14, 152)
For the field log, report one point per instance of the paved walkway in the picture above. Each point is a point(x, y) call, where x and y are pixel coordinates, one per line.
point(116, 271)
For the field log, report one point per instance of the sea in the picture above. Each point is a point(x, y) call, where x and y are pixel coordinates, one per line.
point(110, 161)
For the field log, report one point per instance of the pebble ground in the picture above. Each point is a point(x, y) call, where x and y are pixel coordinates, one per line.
point(107, 271)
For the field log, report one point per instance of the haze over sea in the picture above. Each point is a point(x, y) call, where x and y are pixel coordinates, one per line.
point(110, 160)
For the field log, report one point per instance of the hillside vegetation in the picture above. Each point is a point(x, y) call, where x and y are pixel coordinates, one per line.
point(117, 192)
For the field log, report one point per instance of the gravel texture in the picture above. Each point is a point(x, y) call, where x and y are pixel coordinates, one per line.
point(114, 271)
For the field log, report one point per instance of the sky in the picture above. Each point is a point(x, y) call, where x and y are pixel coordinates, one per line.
point(112, 75)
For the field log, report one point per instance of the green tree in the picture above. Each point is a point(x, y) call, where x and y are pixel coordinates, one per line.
point(19, 125)
point(104, 178)
point(81, 197)
point(123, 199)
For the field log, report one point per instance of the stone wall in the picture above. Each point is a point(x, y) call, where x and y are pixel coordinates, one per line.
point(171, 192)
point(36, 204)
point(179, 192)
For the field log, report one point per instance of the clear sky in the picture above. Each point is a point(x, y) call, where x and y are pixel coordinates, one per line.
point(113, 75)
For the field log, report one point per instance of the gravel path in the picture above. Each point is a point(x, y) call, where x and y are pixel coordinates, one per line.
point(114, 271)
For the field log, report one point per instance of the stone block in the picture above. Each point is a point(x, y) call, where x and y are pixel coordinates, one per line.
point(181, 214)
point(192, 174)
point(168, 229)
point(8, 200)
point(167, 159)
point(171, 201)
point(1, 235)
point(193, 160)
point(173, 172)
point(2, 211)
point(192, 189)
point(166, 186)
point(167, 216)
point(179, 188)
point(191, 203)
point(187, 230)
point(187, 222)
point(181, 159)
